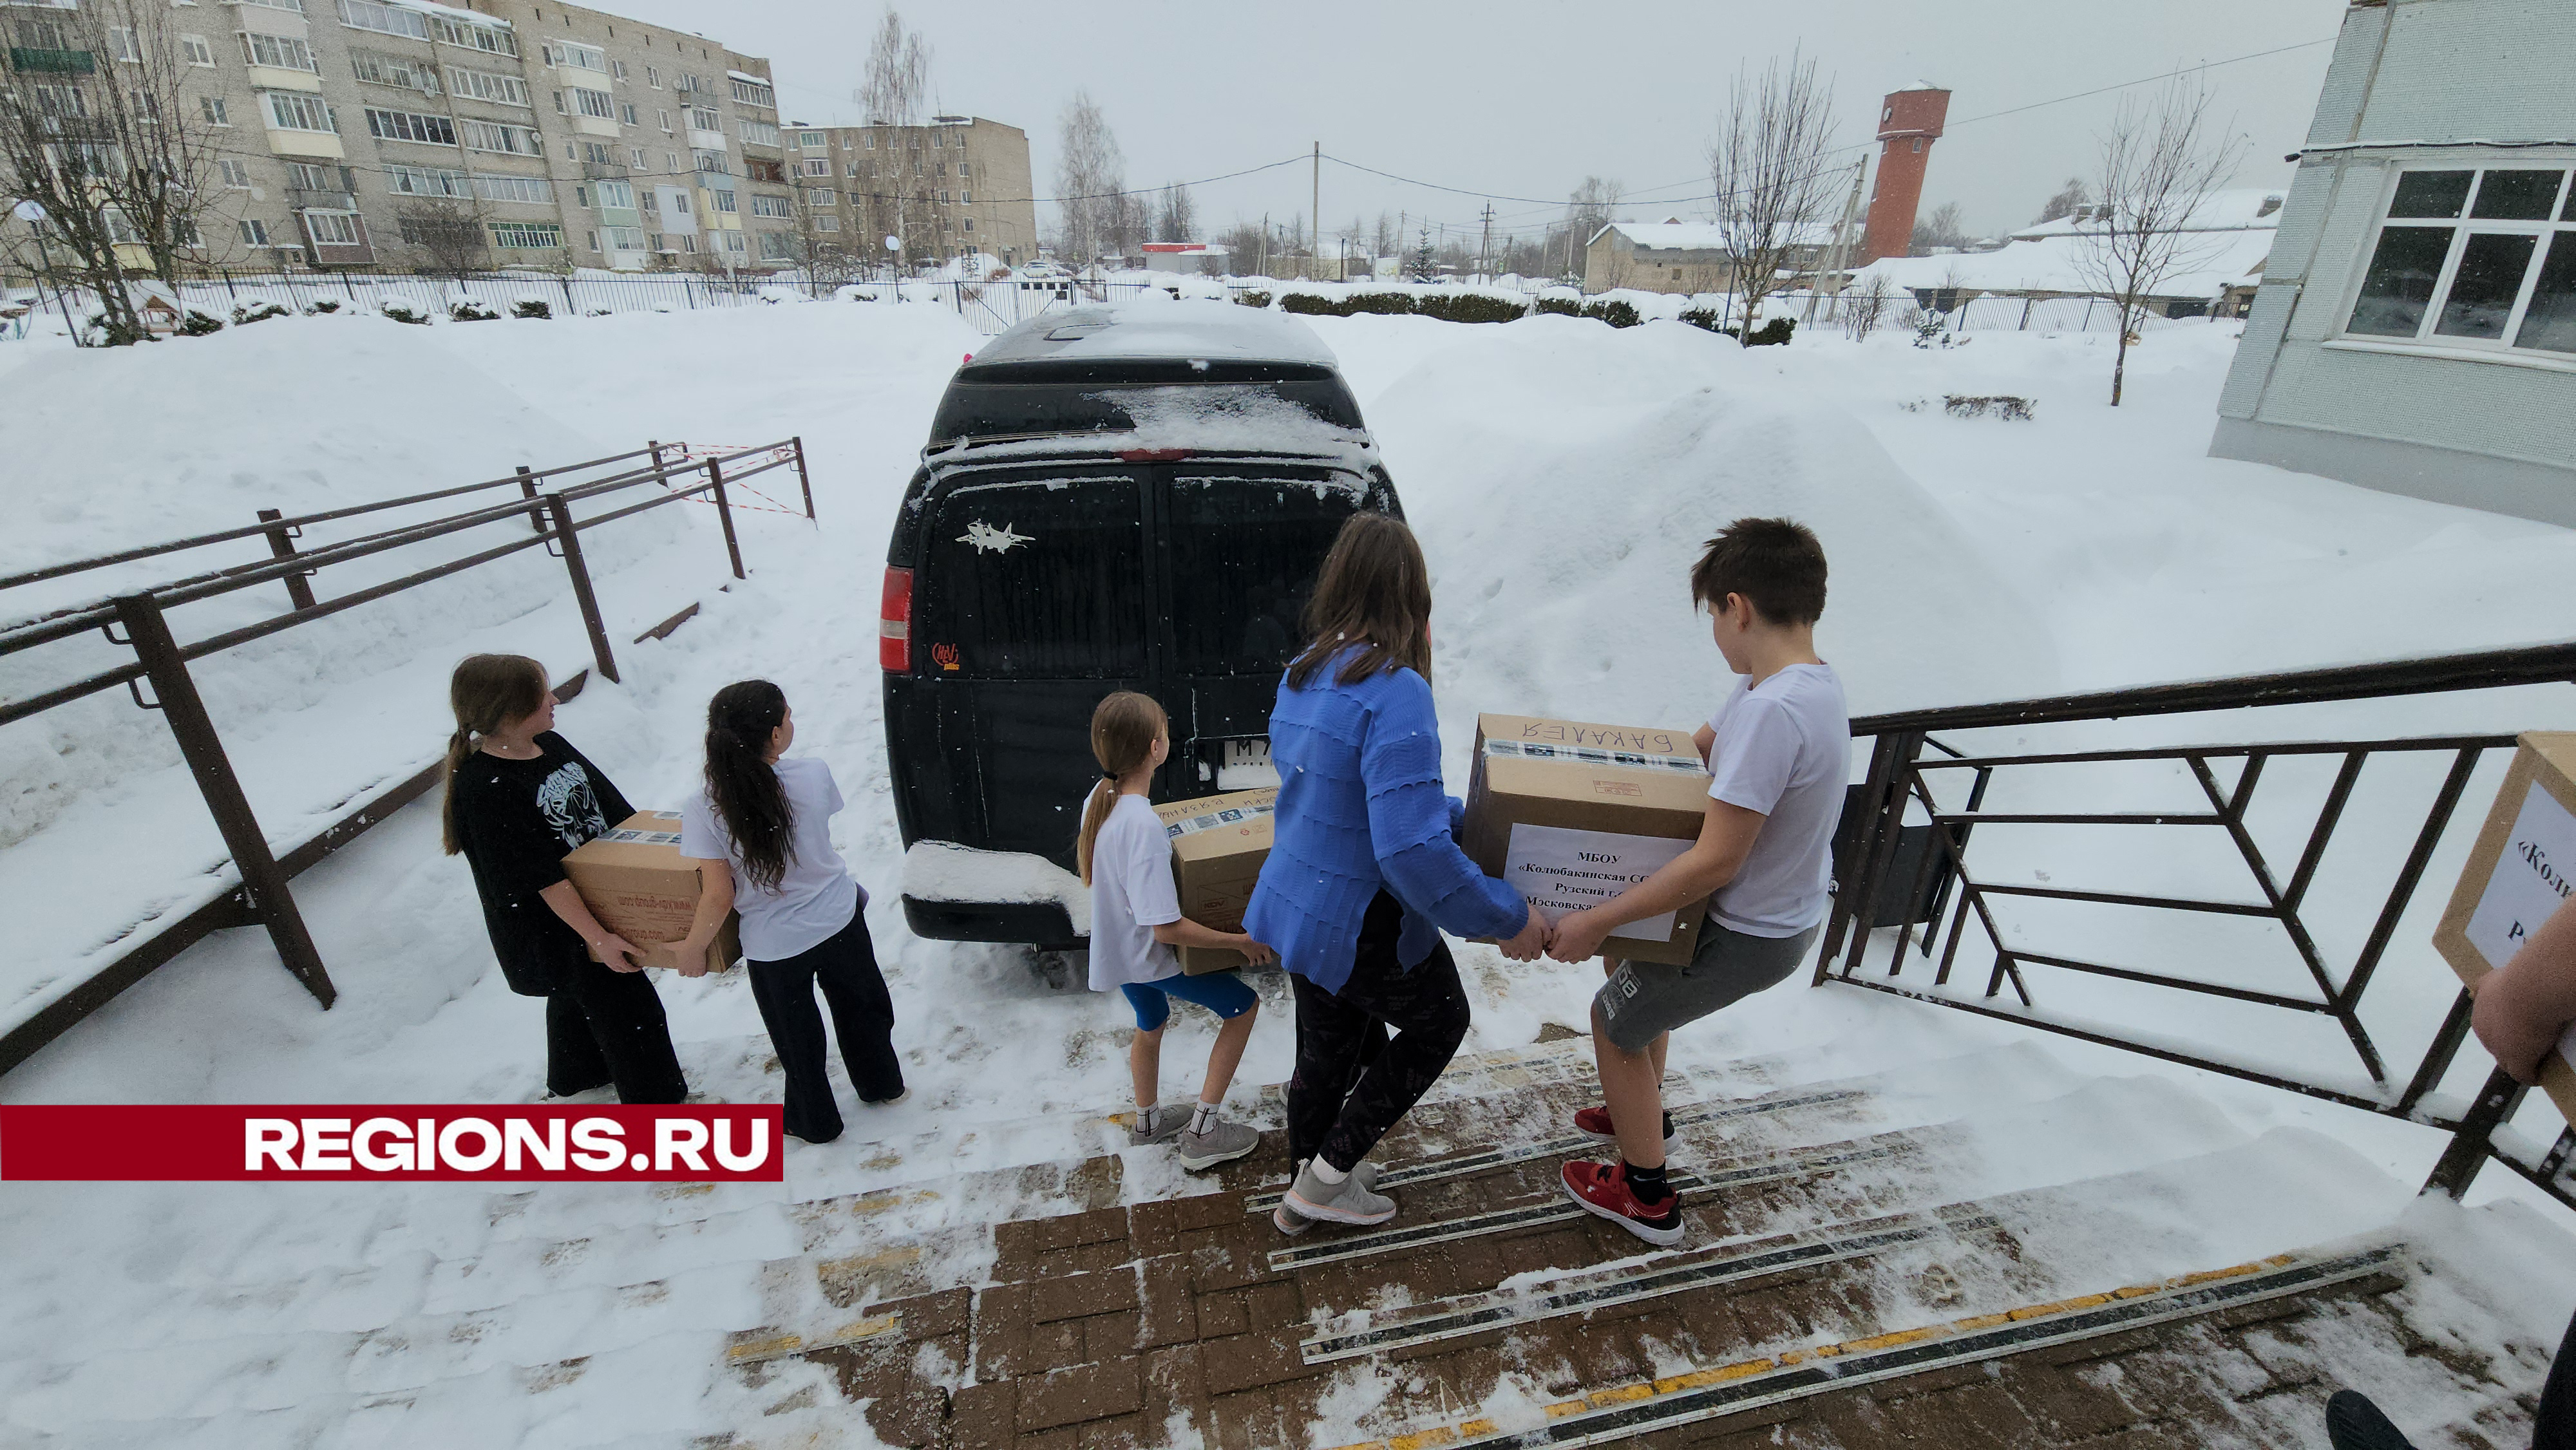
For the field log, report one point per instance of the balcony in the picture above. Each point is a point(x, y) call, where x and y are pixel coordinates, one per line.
point(603, 171)
point(30, 60)
point(299, 199)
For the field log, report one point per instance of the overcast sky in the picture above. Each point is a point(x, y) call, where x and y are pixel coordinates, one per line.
point(1523, 98)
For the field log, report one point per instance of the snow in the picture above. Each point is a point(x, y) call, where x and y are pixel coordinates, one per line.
point(1154, 325)
point(1560, 473)
point(946, 871)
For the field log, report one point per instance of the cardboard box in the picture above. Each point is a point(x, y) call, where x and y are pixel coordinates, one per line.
point(637, 883)
point(1218, 845)
point(1575, 813)
point(2518, 872)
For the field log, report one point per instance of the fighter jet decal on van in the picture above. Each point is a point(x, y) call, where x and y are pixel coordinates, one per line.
point(983, 537)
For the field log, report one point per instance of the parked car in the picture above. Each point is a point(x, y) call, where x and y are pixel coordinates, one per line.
point(1135, 496)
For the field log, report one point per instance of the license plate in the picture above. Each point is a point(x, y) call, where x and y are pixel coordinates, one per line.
point(1244, 765)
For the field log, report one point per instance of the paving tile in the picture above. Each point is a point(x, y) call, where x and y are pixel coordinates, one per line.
point(1169, 1311)
point(1224, 1314)
point(1080, 1295)
point(1109, 1336)
point(1082, 1392)
point(984, 1416)
point(1251, 1361)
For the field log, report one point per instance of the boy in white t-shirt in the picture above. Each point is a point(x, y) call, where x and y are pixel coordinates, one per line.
point(1126, 857)
point(1779, 756)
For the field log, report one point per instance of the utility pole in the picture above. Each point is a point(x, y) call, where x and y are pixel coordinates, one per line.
point(1842, 238)
point(1485, 246)
point(1315, 227)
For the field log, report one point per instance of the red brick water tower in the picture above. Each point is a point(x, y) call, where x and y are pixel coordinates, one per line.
point(1909, 121)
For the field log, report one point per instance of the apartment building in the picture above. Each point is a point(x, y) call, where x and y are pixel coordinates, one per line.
point(957, 186)
point(403, 133)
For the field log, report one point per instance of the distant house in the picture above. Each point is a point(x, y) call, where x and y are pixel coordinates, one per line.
point(1191, 257)
point(2416, 330)
point(2225, 240)
point(1677, 256)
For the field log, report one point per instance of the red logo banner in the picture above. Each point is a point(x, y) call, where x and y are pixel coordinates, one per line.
point(535, 1143)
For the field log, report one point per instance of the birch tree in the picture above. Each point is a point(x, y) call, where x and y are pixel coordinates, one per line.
point(1774, 188)
point(2160, 161)
point(894, 90)
point(1090, 173)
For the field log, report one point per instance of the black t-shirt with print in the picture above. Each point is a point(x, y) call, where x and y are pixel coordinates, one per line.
point(516, 820)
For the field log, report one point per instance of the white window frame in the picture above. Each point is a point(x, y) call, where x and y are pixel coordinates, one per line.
point(759, 133)
point(214, 110)
point(235, 174)
point(770, 205)
point(754, 93)
point(653, 76)
point(425, 128)
point(289, 52)
point(522, 190)
point(339, 223)
point(198, 50)
point(522, 140)
point(598, 105)
point(530, 236)
point(494, 87)
point(304, 106)
point(383, 19)
point(404, 179)
point(817, 165)
point(609, 191)
point(573, 55)
point(2426, 340)
point(254, 232)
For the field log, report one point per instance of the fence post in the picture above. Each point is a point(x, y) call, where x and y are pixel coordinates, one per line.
point(229, 290)
point(803, 480)
point(528, 488)
point(2470, 1145)
point(689, 290)
point(571, 308)
point(570, 542)
point(263, 881)
point(281, 544)
point(2025, 314)
point(348, 286)
point(654, 446)
point(724, 516)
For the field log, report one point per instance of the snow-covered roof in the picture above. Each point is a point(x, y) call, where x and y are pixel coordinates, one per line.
point(2213, 262)
point(2233, 208)
point(1702, 236)
point(469, 17)
point(744, 75)
point(1922, 86)
point(1160, 328)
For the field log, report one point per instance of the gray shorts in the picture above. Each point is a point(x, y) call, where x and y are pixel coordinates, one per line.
point(1643, 1000)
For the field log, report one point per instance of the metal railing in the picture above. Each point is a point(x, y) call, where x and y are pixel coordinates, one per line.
point(1950, 789)
point(139, 620)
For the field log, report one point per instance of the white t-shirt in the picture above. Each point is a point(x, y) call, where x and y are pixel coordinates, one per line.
point(816, 896)
point(1132, 893)
point(1783, 748)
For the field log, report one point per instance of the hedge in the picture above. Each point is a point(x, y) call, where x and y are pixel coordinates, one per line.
point(1617, 311)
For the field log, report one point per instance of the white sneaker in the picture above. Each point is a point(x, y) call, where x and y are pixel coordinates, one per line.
point(1223, 1142)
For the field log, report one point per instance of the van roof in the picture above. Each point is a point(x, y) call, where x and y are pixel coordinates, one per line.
point(1159, 327)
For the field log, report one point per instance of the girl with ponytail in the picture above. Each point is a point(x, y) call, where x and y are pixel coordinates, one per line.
point(519, 799)
point(761, 833)
point(1126, 860)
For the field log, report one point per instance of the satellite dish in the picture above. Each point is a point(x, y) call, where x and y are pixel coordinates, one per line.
point(30, 211)
point(894, 244)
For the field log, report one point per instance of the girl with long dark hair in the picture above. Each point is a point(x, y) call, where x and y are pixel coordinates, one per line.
point(519, 800)
point(761, 833)
point(1364, 875)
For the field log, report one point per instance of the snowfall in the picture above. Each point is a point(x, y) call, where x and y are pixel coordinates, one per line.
point(1560, 473)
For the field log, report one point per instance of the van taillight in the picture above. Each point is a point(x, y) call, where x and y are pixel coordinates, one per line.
point(894, 623)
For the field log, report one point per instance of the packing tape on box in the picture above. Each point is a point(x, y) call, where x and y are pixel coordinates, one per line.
point(647, 838)
point(1230, 816)
point(1594, 755)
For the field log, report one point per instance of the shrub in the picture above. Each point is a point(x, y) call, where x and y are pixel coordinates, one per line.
point(1310, 304)
point(1617, 311)
point(1557, 307)
point(1774, 333)
point(1391, 304)
point(198, 324)
point(1252, 299)
point(1472, 307)
point(531, 307)
point(405, 312)
point(251, 312)
point(316, 309)
point(599, 312)
point(466, 309)
point(1707, 319)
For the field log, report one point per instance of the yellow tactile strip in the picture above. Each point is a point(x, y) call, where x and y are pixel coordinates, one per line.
point(1703, 1378)
point(770, 1346)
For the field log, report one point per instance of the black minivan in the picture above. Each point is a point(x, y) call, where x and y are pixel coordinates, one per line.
point(1133, 496)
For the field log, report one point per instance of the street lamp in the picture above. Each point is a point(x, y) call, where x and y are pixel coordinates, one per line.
point(894, 261)
point(33, 214)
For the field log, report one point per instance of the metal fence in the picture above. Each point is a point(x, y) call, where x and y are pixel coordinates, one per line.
point(1925, 851)
point(139, 620)
point(493, 292)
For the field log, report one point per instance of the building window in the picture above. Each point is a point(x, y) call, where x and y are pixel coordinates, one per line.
point(776, 247)
point(754, 93)
point(526, 236)
point(689, 245)
point(332, 228)
point(962, 172)
point(618, 195)
point(597, 155)
point(826, 222)
point(212, 107)
point(637, 155)
point(970, 224)
point(2474, 259)
point(617, 68)
point(194, 47)
point(404, 180)
point(763, 204)
point(872, 140)
point(570, 55)
point(599, 105)
point(404, 126)
point(671, 161)
point(296, 111)
point(759, 133)
point(966, 198)
point(810, 140)
point(488, 85)
point(723, 198)
point(653, 76)
point(626, 113)
point(822, 196)
point(625, 239)
point(535, 190)
point(235, 174)
point(704, 118)
point(506, 140)
point(278, 52)
point(490, 39)
point(712, 162)
point(817, 166)
point(254, 232)
point(378, 68)
point(665, 116)
point(384, 19)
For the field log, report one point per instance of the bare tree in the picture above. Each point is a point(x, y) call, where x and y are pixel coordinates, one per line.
point(2159, 161)
point(1588, 208)
point(1775, 191)
point(1089, 174)
point(1176, 215)
point(894, 90)
point(96, 128)
point(1941, 229)
point(446, 234)
point(1865, 307)
point(2072, 195)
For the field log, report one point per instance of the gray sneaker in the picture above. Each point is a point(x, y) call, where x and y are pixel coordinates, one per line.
point(1223, 1142)
point(1349, 1201)
point(1289, 1221)
point(1156, 1125)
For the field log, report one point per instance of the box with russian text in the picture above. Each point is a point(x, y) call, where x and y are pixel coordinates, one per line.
point(1218, 845)
point(637, 883)
point(2518, 873)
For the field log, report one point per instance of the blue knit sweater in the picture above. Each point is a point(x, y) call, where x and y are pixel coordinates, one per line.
point(1360, 807)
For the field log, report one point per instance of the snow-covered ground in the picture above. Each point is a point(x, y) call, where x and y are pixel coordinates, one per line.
point(1561, 474)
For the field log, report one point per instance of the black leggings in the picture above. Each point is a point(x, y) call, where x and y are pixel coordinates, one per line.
point(604, 1026)
point(845, 967)
point(1336, 1030)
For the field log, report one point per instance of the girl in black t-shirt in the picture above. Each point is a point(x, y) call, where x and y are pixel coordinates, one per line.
point(519, 799)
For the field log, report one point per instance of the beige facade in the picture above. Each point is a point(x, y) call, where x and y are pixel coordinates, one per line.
point(397, 134)
point(954, 187)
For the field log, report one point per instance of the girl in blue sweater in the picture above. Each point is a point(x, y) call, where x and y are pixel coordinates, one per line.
point(1363, 875)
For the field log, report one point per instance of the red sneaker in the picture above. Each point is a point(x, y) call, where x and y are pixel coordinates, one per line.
point(1594, 1123)
point(1602, 1188)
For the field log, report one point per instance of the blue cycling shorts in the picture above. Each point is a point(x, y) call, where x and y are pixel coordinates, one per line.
point(1224, 993)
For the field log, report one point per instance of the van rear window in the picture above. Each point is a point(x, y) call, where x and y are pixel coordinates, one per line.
point(995, 410)
point(1037, 577)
